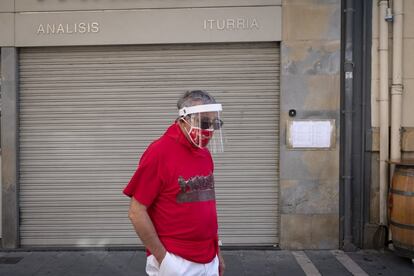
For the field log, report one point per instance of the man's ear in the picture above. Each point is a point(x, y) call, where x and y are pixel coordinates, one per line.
point(181, 122)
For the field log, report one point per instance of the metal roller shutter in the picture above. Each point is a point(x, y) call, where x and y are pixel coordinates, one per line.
point(87, 114)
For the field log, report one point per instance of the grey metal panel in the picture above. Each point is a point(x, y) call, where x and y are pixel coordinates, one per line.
point(59, 5)
point(9, 147)
point(6, 6)
point(149, 26)
point(1, 186)
point(88, 113)
point(6, 29)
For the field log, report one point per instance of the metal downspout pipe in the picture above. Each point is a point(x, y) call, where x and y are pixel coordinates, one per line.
point(397, 85)
point(384, 111)
point(347, 112)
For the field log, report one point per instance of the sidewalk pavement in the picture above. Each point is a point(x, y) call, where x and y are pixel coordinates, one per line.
point(238, 263)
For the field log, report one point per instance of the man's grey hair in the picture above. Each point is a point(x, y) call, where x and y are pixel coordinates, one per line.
point(195, 97)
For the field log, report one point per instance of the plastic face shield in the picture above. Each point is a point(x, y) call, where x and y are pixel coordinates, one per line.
point(205, 126)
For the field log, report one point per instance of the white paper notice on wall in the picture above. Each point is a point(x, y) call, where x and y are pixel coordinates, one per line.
point(310, 134)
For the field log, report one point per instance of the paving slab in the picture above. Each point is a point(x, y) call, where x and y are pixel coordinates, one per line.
point(234, 263)
point(383, 263)
point(284, 263)
point(326, 263)
point(59, 264)
point(86, 263)
point(29, 264)
point(120, 263)
point(238, 263)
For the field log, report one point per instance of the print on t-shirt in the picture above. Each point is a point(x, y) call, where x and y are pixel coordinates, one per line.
point(195, 189)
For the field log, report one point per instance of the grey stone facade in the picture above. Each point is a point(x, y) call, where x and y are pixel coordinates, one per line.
point(310, 83)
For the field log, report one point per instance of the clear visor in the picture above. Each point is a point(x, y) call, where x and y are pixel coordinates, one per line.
point(206, 130)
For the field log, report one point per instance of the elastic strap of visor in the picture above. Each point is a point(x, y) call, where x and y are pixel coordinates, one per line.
point(199, 108)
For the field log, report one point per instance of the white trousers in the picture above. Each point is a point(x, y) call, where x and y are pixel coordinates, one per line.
point(174, 265)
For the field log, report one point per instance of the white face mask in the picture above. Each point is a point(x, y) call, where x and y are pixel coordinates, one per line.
point(205, 121)
point(198, 136)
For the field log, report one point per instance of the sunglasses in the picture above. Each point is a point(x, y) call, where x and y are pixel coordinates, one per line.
point(215, 124)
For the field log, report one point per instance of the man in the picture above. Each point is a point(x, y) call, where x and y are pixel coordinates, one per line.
point(173, 207)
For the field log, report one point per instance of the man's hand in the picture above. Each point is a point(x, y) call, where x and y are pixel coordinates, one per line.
point(145, 229)
point(161, 257)
point(222, 266)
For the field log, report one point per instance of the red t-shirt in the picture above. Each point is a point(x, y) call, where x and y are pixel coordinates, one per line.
point(175, 181)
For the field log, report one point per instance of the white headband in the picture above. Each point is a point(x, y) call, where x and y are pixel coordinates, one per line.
point(199, 108)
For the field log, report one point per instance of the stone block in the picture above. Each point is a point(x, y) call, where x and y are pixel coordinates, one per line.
point(324, 93)
point(300, 232)
point(408, 19)
point(408, 57)
point(326, 167)
point(369, 235)
point(293, 93)
point(408, 139)
point(310, 58)
point(408, 155)
point(374, 103)
point(375, 137)
point(375, 21)
point(305, 20)
point(325, 231)
point(301, 165)
point(374, 191)
point(296, 231)
point(408, 100)
point(319, 93)
point(309, 197)
point(375, 59)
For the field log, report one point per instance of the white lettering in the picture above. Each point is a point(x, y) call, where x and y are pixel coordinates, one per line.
point(74, 28)
point(60, 29)
point(231, 24)
point(95, 27)
point(254, 24)
point(82, 28)
point(50, 29)
point(223, 26)
point(41, 29)
point(68, 30)
point(211, 23)
point(240, 23)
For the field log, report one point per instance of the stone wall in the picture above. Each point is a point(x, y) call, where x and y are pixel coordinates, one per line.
point(310, 83)
point(407, 137)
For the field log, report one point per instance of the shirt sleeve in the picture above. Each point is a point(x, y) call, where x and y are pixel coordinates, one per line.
point(145, 183)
